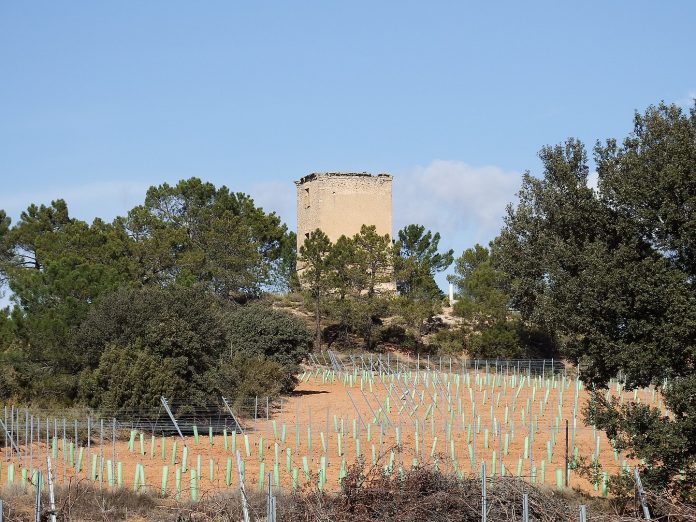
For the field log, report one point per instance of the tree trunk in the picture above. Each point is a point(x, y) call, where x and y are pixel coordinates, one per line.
point(368, 333)
point(317, 332)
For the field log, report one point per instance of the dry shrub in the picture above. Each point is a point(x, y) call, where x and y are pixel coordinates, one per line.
point(420, 494)
point(80, 501)
point(426, 494)
point(423, 494)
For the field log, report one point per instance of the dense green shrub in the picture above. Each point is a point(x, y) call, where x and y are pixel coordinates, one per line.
point(16, 376)
point(336, 333)
point(257, 331)
point(510, 339)
point(449, 341)
point(185, 344)
point(392, 333)
point(499, 341)
point(241, 377)
point(133, 376)
point(173, 321)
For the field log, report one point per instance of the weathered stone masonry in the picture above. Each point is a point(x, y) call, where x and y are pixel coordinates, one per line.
point(340, 203)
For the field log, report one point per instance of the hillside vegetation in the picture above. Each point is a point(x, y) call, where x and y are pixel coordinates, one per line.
point(171, 298)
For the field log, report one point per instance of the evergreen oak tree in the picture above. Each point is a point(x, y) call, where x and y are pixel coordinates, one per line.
point(610, 271)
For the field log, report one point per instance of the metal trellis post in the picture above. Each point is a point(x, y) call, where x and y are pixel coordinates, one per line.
point(484, 508)
point(525, 507)
point(641, 494)
point(171, 416)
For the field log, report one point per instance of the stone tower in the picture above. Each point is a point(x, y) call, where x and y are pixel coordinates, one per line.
point(340, 203)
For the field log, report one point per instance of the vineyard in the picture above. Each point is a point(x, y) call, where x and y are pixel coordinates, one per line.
point(511, 421)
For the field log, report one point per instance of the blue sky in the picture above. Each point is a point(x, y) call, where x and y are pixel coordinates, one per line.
point(99, 100)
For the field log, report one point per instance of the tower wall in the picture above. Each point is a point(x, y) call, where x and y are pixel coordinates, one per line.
point(340, 203)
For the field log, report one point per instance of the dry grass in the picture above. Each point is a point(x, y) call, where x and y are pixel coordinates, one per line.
point(419, 495)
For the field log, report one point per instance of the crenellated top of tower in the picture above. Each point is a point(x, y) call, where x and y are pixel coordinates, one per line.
point(316, 175)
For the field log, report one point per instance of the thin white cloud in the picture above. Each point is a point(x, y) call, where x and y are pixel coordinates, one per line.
point(103, 199)
point(464, 203)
